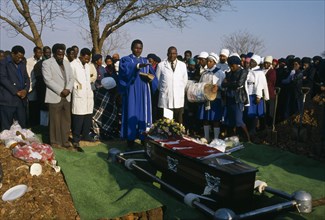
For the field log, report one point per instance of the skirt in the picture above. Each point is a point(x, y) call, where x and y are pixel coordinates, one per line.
point(255, 110)
point(214, 114)
point(234, 113)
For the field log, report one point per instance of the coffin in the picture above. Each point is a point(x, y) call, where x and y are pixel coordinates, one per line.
point(198, 168)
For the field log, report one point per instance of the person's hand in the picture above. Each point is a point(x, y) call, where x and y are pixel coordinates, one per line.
point(322, 88)
point(65, 93)
point(22, 94)
point(141, 65)
point(257, 100)
point(215, 88)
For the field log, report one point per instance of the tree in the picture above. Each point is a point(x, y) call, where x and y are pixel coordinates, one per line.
point(30, 17)
point(323, 54)
point(114, 14)
point(242, 42)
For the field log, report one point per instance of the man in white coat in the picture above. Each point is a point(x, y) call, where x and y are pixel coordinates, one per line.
point(172, 80)
point(58, 78)
point(82, 99)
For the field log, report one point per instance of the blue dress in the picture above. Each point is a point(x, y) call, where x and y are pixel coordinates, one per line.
point(136, 97)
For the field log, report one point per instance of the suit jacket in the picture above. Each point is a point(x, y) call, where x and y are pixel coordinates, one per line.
point(11, 82)
point(54, 80)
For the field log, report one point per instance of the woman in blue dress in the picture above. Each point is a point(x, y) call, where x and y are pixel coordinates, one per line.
point(211, 112)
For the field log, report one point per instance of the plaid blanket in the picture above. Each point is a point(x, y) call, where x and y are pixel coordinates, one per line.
point(105, 111)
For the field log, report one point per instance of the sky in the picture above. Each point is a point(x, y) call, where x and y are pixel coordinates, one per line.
point(285, 26)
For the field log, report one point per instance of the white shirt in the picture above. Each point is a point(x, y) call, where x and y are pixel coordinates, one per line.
point(171, 84)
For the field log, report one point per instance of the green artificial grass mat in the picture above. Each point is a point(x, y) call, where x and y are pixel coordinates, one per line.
point(107, 190)
point(101, 189)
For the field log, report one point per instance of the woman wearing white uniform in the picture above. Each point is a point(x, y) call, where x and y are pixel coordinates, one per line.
point(212, 111)
point(258, 92)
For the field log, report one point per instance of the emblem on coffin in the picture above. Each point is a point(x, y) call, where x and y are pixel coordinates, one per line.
point(212, 183)
point(172, 164)
point(149, 149)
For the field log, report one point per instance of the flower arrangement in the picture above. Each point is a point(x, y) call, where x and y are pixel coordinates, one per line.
point(166, 128)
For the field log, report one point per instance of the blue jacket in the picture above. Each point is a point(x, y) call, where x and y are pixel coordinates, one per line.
point(13, 78)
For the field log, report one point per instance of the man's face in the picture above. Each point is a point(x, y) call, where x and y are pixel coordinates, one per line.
point(84, 59)
point(59, 55)
point(223, 58)
point(187, 56)
point(17, 58)
point(172, 54)
point(47, 53)
point(76, 51)
point(71, 56)
point(38, 54)
point(2, 56)
point(115, 57)
point(202, 62)
point(137, 50)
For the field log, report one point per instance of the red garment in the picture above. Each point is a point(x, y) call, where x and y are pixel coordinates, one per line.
point(271, 80)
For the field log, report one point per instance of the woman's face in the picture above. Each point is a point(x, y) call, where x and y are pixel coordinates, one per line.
point(296, 66)
point(210, 63)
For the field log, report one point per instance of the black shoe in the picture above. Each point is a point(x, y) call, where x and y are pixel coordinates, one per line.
point(77, 147)
point(89, 139)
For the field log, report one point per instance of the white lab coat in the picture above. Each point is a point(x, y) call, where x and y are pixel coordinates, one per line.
point(82, 94)
point(171, 84)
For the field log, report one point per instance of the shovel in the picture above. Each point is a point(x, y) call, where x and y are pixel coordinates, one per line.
point(274, 132)
point(305, 91)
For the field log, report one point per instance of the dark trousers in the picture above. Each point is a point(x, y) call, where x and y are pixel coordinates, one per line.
point(81, 126)
point(10, 113)
point(177, 114)
point(34, 113)
point(60, 122)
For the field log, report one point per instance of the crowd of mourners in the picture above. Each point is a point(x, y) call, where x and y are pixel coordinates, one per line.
point(97, 98)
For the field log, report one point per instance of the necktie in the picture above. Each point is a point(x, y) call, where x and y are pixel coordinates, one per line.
point(173, 67)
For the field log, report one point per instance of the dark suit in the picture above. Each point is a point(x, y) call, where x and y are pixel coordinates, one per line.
point(13, 78)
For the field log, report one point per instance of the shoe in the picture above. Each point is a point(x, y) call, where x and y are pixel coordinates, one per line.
point(77, 147)
point(67, 144)
point(57, 146)
point(89, 139)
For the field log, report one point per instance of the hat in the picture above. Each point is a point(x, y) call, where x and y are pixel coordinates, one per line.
point(257, 59)
point(191, 61)
point(154, 57)
point(275, 61)
point(283, 61)
point(234, 54)
point(249, 54)
point(297, 60)
point(317, 58)
point(233, 60)
point(214, 57)
point(96, 57)
point(268, 59)
point(225, 52)
point(108, 82)
point(203, 55)
point(306, 60)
